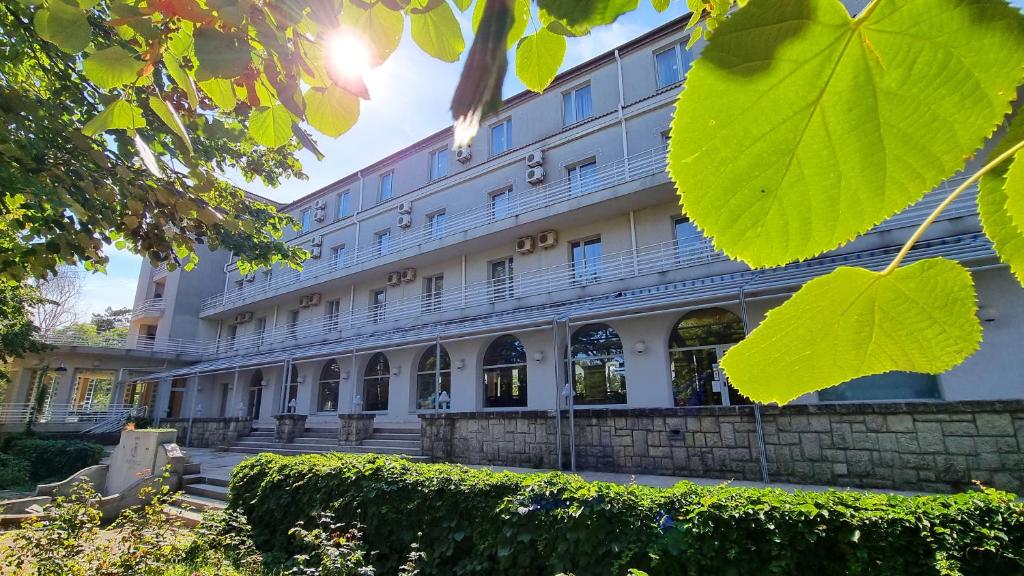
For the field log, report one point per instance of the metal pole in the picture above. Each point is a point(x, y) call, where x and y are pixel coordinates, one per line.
point(284, 385)
point(558, 391)
point(352, 378)
point(569, 373)
point(762, 453)
point(437, 372)
point(192, 409)
point(234, 394)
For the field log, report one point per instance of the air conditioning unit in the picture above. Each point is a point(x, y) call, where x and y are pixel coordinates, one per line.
point(315, 252)
point(404, 220)
point(238, 318)
point(319, 214)
point(250, 277)
point(304, 302)
point(314, 299)
point(535, 175)
point(246, 317)
point(547, 239)
point(408, 275)
point(524, 245)
point(394, 278)
point(405, 207)
point(463, 154)
point(535, 158)
point(320, 204)
point(317, 239)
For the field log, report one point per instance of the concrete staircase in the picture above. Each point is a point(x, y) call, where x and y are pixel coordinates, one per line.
point(386, 439)
point(198, 494)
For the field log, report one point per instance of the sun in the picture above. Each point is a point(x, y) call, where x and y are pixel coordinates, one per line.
point(349, 54)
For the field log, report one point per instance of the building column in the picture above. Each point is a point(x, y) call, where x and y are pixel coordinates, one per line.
point(162, 396)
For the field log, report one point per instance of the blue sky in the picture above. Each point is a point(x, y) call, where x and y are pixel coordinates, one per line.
point(410, 96)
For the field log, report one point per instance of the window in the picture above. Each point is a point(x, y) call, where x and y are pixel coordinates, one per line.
point(501, 137)
point(378, 304)
point(232, 334)
point(306, 219)
point(332, 314)
point(433, 380)
point(501, 204)
point(177, 398)
point(672, 64)
point(586, 260)
point(338, 255)
point(260, 329)
point(582, 178)
point(376, 383)
point(888, 386)
point(385, 190)
point(599, 366)
point(330, 381)
point(291, 391)
point(344, 205)
point(436, 223)
point(505, 373)
point(501, 279)
point(696, 344)
point(690, 242)
point(255, 395)
point(576, 105)
point(439, 163)
point(293, 322)
point(433, 290)
point(382, 240)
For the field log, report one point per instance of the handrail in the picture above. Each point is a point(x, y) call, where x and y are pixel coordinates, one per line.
point(147, 307)
point(64, 413)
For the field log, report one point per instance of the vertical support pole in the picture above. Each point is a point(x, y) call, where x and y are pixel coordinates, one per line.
point(192, 408)
point(352, 378)
point(762, 453)
point(622, 118)
point(569, 373)
point(463, 279)
point(558, 392)
point(632, 243)
point(234, 395)
point(351, 304)
point(284, 385)
point(437, 372)
point(160, 404)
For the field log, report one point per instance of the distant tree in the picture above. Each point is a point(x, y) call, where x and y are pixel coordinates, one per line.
point(60, 294)
point(18, 334)
point(111, 318)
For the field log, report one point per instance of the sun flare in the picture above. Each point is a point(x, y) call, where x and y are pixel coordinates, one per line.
point(349, 54)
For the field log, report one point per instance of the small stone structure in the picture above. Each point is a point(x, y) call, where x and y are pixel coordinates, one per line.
point(933, 446)
point(354, 428)
point(289, 427)
point(209, 432)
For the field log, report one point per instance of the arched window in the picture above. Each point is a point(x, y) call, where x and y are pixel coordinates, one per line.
point(599, 366)
point(376, 382)
point(696, 346)
point(255, 394)
point(426, 373)
point(330, 381)
point(291, 391)
point(505, 373)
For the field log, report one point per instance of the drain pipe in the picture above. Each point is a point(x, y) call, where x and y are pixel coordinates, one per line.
point(569, 394)
point(437, 372)
point(758, 424)
point(558, 395)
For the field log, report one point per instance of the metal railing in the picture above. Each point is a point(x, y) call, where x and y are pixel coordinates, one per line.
point(69, 413)
point(149, 307)
point(520, 201)
point(168, 345)
point(117, 419)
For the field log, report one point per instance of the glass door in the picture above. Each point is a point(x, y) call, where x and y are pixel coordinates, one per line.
point(255, 400)
point(698, 380)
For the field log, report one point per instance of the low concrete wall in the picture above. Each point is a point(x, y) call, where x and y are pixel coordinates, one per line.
point(933, 446)
point(209, 432)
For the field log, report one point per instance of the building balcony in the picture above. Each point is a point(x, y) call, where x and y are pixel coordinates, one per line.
point(69, 413)
point(149, 308)
point(120, 342)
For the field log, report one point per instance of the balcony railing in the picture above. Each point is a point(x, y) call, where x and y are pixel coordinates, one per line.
point(149, 307)
point(68, 413)
point(168, 345)
point(520, 201)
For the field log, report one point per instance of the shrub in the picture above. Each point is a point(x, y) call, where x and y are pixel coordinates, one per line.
point(482, 522)
point(55, 459)
point(14, 472)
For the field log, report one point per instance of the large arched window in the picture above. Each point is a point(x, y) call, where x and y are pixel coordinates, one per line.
point(505, 373)
point(330, 381)
point(426, 376)
point(696, 346)
point(599, 366)
point(291, 391)
point(376, 383)
point(255, 394)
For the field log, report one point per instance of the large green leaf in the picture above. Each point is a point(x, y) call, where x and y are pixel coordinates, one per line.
point(1007, 238)
point(438, 33)
point(64, 24)
point(112, 67)
point(271, 126)
point(220, 54)
point(1014, 189)
point(221, 91)
point(332, 110)
point(587, 12)
point(120, 114)
point(800, 128)
point(381, 26)
point(854, 322)
point(538, 57)
point(169, 117)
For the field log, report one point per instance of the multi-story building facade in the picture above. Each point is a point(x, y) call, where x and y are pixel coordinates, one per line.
point(457, 282)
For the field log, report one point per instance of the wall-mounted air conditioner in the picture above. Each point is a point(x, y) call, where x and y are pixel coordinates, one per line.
point(320, 204)
point(304, 302)
point(314, 299)
point(246, 317)
point(315, 252)
point(320, 214)
point(535, 175)
point(316, 240)
point(408, 275)
point(238, 318)
point(463, 154)
point(404, 220)
point(405, 207)
point(535, 158)
point(524, 245)
point(394, 278)
point(547, 239)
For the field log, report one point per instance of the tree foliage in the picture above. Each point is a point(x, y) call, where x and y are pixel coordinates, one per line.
point(18, 334)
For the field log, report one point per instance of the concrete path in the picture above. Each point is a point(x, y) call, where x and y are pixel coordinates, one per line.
point(217, 464)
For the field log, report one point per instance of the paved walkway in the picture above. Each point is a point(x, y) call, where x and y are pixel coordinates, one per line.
point(216, 464)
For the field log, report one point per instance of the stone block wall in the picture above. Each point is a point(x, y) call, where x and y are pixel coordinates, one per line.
point(289, 427)
point(933, 446)
point(209, 432)
point(354, 428)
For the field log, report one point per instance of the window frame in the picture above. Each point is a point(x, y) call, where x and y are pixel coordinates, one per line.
point(306, 219)
point(591, 272)
point(388, 176)
point(385, 247)
point(344, 205)
point(432, 297)
point(432, 223)
point(604, 360)
point(520, 367)
point(577, 186)
point(507, 289)
point(339, 252)
point(571, 94)
point(378, 311)
point(507, 123)
point(493, 195)
point(678, 48)
point(442, 152)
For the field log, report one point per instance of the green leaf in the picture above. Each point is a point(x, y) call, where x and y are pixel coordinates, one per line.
point(800, 128)
point(65, 25)
point(660, 5)
point(538, 57)
point(112, 67)
point(220, 54)
point(1014, 190)
point(381, 27)
point(171, 119)
point(221, 91)
point(854, 322)
point(306, 141)
point(183, 80)
point(1006, 237)
point(271, 127)
point(147, 156)
point(332, 110)
point(463, 5)
point(438, 33)
point(587, 12)
point(119, 115)
point(521, 18)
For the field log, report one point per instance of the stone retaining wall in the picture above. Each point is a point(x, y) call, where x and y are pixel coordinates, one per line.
point(933, 446)
point(209, 432)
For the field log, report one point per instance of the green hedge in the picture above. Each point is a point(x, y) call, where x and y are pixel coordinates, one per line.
point(471, 521)
point(50, 460)
point(14, 472)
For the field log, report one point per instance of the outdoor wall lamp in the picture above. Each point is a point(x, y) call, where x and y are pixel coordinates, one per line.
point(640, 346)
point(987, 313)
point(538, 356)
point(460, 364)
point(345, 375)
point(61, 368)
point(396, 370)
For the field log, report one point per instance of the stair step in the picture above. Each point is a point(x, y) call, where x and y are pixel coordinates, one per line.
point(292, 450)
point(193, 502)
point(207, 491)
point(316, 440)
point(182, 517)
point(396, 429)
point(378, 443)
point(200, 479)
point(191, 468)
point(395, 436)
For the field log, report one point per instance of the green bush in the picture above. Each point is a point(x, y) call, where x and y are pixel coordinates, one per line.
point(469, 521)
point(55, 459)
point(14, 472)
